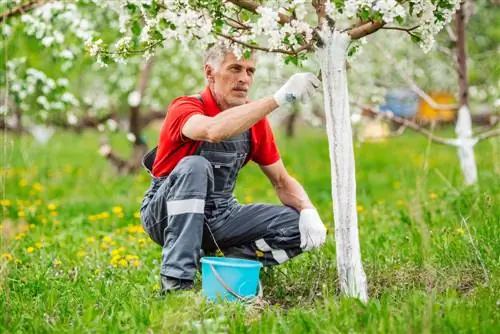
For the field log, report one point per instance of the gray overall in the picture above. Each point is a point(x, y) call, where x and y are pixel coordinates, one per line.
point(185, 211)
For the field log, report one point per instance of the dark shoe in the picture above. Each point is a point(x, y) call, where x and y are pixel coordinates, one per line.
point(169, 284)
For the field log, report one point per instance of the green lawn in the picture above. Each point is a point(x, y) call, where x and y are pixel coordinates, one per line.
point(74, 257)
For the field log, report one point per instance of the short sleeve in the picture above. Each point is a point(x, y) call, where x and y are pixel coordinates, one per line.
point(266, 151)
point(179, 111)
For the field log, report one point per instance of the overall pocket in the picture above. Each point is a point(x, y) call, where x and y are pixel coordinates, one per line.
point(223, 164)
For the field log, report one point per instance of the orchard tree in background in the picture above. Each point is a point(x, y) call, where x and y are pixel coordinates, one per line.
point(51, 81)
point(286, 28)
point(448, 71)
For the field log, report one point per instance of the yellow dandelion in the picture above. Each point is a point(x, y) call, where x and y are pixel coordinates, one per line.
point(117, 251)
point(32, 226)
point(119, 215)
point(131, 257)
point(17, 261)
point(21, 214)
point(81, 253)
point(92, 218)
point(104, 215)
point(136, 263)
point(115, 259)
point(123, 263)
point(248, 198)
point(135, 229)
point(104, 246)
point(38, 202)
point(23, 183)
point(30, 249)
point(433, 196)
point(57, 262)
point(20, 236)
point(7, 256)
point(137, 215)
point(44, 221)
point(460, 231)
point(360, 208)
point(38, 244)
point(90, 240)
point(37, 187)
point(52, 206)
point(117, 210)
point(53, 213)
point(97, 271)
point(5, 202)
point(107, 239)
point(259, 253)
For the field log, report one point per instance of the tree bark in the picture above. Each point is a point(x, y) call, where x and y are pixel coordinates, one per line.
point(332, 55)
point(290, 122)
point(463, 128)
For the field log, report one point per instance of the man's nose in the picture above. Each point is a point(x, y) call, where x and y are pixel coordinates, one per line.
point(244, 77)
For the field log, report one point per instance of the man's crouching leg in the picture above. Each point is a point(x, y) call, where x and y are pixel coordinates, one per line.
point(263, 232)
point(177, 212)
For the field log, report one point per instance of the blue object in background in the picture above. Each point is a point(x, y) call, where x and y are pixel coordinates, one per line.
point(401, 102)
point(242, 276)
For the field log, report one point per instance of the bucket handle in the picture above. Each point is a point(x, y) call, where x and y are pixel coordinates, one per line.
point(231, 291)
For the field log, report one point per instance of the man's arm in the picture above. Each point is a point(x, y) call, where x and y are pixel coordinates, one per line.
point(236, 120)
point(228, 123)
point(289, 191)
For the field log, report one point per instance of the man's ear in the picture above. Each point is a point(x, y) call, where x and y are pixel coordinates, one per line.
point(209, 73)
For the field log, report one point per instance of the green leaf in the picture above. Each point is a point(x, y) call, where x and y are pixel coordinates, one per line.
point(136, 28)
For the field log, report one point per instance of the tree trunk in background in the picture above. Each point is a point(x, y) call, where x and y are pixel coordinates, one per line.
point(463, 128)
point(332, 57)
point(135, 126)
point(290, 122)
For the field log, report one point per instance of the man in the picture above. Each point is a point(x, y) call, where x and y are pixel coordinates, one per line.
point(204, 142)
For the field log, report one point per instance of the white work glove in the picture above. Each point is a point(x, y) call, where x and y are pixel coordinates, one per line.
point(300, 87)
point(312, 230)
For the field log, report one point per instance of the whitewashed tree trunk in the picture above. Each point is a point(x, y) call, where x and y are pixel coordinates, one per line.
point(466, 143)
point(332, 57)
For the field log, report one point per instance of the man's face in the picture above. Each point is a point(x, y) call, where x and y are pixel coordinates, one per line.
point(232, 81)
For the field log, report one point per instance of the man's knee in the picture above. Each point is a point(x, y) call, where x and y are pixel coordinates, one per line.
point(193, 164)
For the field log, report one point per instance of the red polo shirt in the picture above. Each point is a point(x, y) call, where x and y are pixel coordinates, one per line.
point(172, 146)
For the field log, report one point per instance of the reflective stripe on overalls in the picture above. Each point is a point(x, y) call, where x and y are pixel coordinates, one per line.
point(186, 210)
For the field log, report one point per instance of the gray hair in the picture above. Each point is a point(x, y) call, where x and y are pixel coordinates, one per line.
point(215, 54)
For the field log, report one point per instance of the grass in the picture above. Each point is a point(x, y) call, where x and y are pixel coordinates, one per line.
point(75, 259)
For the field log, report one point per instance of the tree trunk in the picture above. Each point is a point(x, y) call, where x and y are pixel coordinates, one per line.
point(135, 127)
point(290, 122)
point(463, 128)
point(332, 55)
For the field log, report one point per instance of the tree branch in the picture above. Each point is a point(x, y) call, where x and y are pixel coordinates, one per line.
point(407, 123)
point(365, 30)
point(19, 10)
point(252, 6)
point(319, 6)
point(487, 134)
point(255, 47)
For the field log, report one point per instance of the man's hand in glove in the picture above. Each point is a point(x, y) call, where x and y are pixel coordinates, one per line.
point(300, 87)
point(312, 230)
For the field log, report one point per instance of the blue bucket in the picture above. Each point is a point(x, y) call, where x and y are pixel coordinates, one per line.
point(224, 277)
